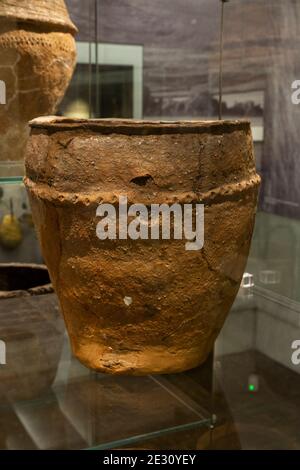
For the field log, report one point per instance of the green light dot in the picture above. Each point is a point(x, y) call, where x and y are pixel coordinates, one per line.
point(251, 388)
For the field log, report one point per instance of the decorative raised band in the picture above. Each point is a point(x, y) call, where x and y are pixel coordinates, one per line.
point(96, 197)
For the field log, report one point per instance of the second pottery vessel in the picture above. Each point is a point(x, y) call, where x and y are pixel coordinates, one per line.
point(31, 329)
point(37, 56)
point(142, 306)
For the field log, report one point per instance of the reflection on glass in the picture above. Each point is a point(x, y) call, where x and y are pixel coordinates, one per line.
point(115, 88)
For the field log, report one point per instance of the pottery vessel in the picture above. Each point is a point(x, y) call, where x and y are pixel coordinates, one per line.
point(142, 306)
point(31, 329)
point(37, 56)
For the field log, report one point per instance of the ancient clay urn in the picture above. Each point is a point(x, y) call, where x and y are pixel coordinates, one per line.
point(37, 56)
point(140, 306)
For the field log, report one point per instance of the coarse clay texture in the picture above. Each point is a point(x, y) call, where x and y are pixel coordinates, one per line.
point(37, 57)
point(142, 306)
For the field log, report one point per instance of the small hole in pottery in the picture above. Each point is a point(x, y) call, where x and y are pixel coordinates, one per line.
point(142, 180)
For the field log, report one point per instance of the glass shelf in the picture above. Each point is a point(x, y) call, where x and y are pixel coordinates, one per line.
point(50, 401)
point(11, 180)
point(11, 172)
point(155, 434)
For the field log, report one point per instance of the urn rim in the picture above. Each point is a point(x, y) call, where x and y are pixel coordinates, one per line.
point(40, 289)
point(35, 12)
point(138, 126)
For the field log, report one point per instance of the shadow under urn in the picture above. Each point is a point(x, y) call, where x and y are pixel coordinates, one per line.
point(142, 306)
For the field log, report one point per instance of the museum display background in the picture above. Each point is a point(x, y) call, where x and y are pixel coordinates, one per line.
point(159, 60)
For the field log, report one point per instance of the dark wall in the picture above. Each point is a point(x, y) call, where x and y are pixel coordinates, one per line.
point(181, 39)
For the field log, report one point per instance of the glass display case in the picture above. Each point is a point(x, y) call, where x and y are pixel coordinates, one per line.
point(160, 61)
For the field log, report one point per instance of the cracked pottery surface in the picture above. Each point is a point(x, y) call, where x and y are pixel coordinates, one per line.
point(140, 306)
point(37, 57)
